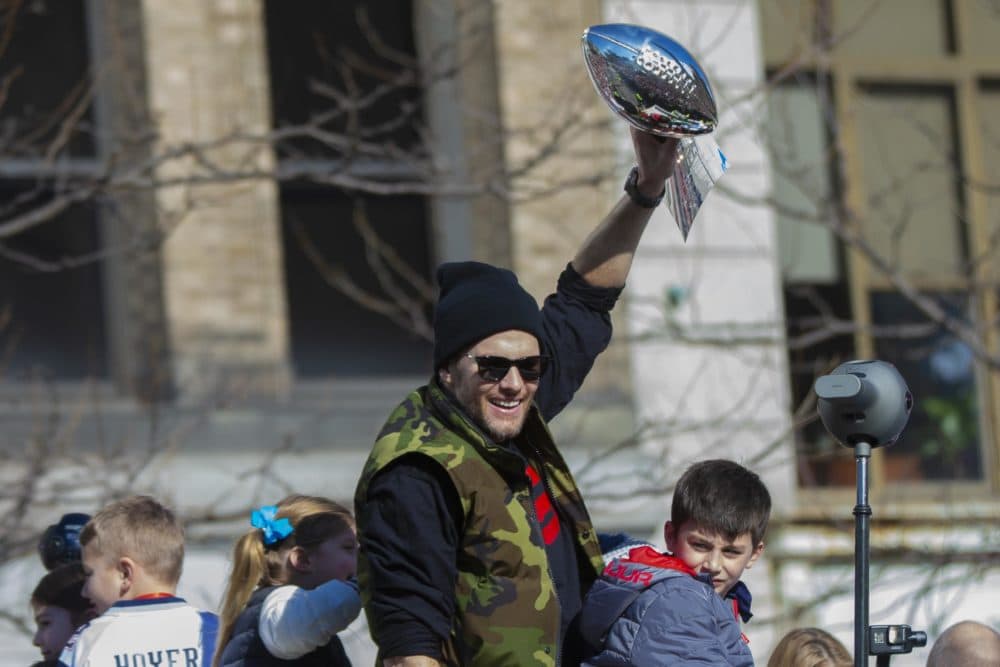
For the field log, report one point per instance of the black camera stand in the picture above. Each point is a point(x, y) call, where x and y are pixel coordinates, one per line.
point(866, 404)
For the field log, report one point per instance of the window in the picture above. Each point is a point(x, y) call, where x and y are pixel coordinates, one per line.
point(876, 132)
point(942, 439)
point(357, 261)
point(332, 333)
point(52, 319)
point(909, 160)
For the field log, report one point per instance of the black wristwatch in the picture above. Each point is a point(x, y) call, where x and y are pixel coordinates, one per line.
point(637, 197)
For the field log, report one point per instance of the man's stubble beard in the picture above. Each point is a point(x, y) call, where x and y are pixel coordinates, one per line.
point(495, 435)
point(479, 419)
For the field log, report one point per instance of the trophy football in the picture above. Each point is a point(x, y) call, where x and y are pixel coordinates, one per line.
point(653, 82)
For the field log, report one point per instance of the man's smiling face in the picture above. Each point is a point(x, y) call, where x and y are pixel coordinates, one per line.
point(499, 408)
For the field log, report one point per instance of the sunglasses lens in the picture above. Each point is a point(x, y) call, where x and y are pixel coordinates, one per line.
point(531, 368)
point(494, 369)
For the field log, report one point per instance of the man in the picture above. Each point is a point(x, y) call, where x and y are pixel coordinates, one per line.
point(966, 644)
point(476, 547)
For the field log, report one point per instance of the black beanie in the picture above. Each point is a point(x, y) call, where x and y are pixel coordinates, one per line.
point(476, 301)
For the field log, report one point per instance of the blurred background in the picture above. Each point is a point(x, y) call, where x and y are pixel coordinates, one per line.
point(219, 221)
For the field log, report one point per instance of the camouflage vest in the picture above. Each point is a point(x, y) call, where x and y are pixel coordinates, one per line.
point(506, 608)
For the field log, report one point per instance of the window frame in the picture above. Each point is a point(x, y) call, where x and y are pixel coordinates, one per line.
point(45, 173)
point(848, 75)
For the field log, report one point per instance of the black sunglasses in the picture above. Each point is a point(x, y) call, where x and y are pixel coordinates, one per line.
point(494, 369)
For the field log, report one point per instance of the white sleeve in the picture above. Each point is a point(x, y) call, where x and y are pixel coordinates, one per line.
point(75, 652)
point(294, 621)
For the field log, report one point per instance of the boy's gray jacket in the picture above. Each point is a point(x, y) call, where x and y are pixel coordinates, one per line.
point(649, 610)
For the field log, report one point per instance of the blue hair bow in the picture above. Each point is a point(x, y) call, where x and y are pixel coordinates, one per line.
point(274, 530)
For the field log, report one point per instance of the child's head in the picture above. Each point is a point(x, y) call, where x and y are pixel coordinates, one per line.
point(809, 647)
point(131, 547)
point(303, 540)
point(718, 519)
point(60, 543)
point(59, 608)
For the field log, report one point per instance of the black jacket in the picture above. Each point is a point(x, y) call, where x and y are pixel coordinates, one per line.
point(246, 648)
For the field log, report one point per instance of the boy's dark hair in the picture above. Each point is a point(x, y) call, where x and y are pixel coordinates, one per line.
point(724, 497)
point(62, 588)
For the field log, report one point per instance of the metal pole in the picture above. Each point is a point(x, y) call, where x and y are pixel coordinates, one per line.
point(862, 517)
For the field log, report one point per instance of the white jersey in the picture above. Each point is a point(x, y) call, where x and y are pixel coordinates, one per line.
point(157, 632)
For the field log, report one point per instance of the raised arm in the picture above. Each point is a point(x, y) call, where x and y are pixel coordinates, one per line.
point(605, 258)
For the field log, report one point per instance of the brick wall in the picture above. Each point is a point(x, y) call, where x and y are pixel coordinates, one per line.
point(207, 71)
point(546, 94)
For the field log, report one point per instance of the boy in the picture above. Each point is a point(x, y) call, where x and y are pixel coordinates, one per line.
point(133, 551)
point(657, 609)
point(59, 608)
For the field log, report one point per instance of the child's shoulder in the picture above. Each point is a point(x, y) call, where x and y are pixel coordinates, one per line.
point(143, 621)
point(160, 629)
point(644, 566)
point(80, 645)
point(630, 586)
point(653, 608)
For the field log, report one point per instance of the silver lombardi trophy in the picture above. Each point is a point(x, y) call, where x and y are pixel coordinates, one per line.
point(656, 85)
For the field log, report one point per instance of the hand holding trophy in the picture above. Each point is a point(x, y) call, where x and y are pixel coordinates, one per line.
point(657, 86)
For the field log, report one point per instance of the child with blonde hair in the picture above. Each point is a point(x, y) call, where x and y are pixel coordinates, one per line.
point(292, 586)
point(133, 552)
point(809, 647)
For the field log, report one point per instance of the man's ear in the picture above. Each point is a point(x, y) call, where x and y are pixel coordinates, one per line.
point(298, 559)
point(757, 551)
point(444, 377)
point(669, 535)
